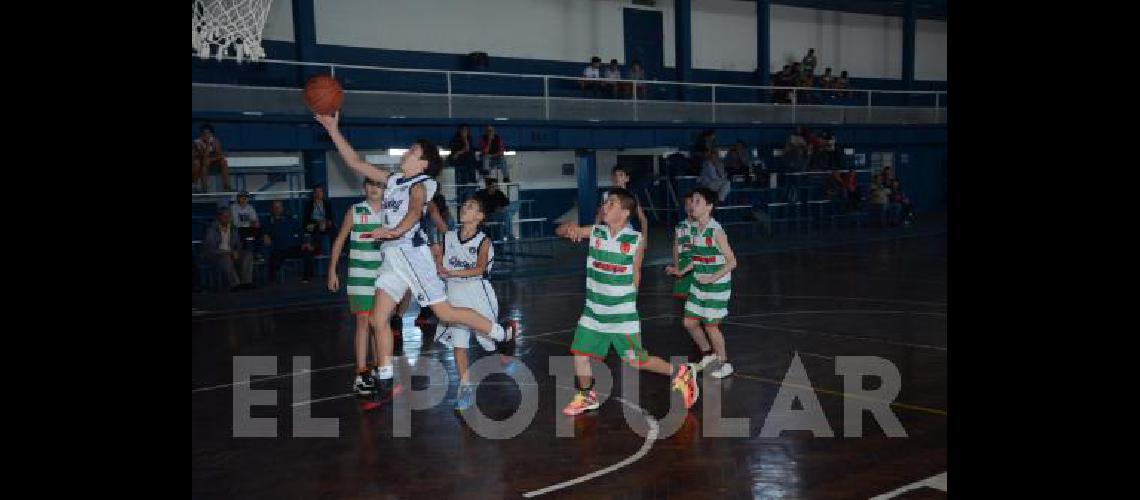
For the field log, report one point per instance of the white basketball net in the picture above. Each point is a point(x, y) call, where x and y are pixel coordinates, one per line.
point(220, 25)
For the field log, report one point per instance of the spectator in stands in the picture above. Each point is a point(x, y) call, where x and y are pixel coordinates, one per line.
point(713, 175)
point(491, 198)
point(636, 72)
point(495, 204)
point(613, 74)
point(880, 201)
point(837, 189)
point(245, 218)
point(824, 157)
point(796, 151)
point(207, 152)
point(222, 247)
point(885, 176)
point(904, 210)
point(493, 151)
point(737, 161)
point(853, 196)
point(843, 84)
point(318, 221)
point(809, 62)
point(462, 157)
point(783, 79)
point(806, 82)
point(795, 75)
point(827, 82)
point(591, 77)
point(705, 142)
point(282, 236)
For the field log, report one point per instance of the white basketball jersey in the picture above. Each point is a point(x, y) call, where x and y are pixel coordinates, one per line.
point(397, 195)
point(460, 255)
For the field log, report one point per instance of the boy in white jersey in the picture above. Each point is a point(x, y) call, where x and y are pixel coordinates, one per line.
point(408, 264)
point(465, 261)
point(711, 263)
point(610, 318)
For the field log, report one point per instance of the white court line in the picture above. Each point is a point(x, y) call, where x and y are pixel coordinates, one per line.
point(814, 355)
point(838, 335)
point(245, 382)
point(650, 437)
point(937, 482)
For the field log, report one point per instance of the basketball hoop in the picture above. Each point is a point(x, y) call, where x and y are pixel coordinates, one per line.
point(222, 24)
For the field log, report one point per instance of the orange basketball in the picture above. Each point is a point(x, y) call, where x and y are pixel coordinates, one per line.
point(323, 94)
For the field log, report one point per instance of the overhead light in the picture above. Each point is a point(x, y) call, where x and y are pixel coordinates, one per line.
point(510, 153)
point(397, 151)
point(501, 119)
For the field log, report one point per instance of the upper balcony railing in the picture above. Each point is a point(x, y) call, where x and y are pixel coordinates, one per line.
point(274, 87)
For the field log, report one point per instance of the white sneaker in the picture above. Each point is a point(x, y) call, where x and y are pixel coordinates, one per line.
point(705, 362)
point(722, 372)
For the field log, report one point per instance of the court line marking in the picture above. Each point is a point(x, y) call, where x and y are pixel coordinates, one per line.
point(937, 481)
point(804, 297)
point(838, 335)
point(650, 438)
point(347, 394)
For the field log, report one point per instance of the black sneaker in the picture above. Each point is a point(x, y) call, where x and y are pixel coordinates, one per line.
point(397, 325)
point(365, 384)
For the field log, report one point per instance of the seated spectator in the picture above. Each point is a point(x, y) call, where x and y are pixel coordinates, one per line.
point(493, 152)
point(885, 176)
point(705, 142)
point(880, 202)
point(737, 161)
point(318, 221)
point(462, 157)
point(713, 175)
point(636, 73)
point(824, 156)
point(853, 194)
point(245, 218)
point(809, 62)
point(613, 74)
point(904, 210)
point(591, 77)
point(222, 247)
point(843, 84)
point(806, 82)
point(827, 82)
point(495, 204)
point(837, 189)
point(206, 153)
point(796, 151)
point(282, 236)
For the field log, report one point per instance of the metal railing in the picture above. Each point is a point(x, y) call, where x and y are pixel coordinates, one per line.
point(273, 86)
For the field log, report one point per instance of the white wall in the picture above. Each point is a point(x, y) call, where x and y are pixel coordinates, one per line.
point(867, 46)
point(930, 50)
point(279, 24)
point(559, 30)
point(724, 35)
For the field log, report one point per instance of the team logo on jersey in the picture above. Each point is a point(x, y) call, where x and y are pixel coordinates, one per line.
point(393, 205)
point(473, 250)
point(708, 241)
point(625, 247)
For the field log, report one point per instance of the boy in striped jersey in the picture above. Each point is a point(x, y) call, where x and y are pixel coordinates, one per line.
point(364, 259)
point(682, 253)
point(712, 263)
point(408, 263)
point(613, 273)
